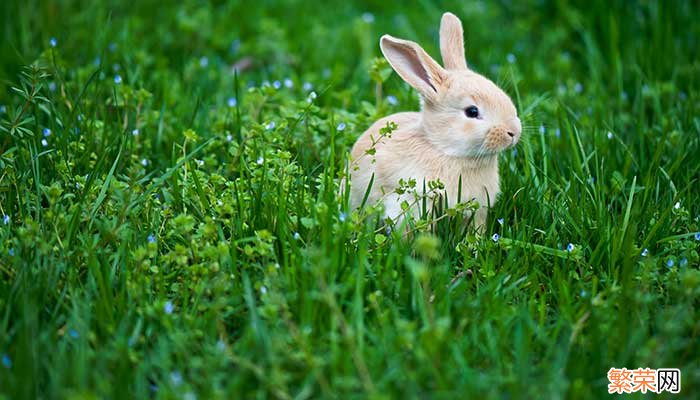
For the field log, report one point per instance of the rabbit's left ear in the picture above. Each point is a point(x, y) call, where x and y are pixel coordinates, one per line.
point(452, 42)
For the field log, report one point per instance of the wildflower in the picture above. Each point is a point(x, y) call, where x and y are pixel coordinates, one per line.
point(220, 345)
point(73, 333)
point(168, 307)
point(3, 109)
point(52, 86)
point(53, 42)
point(135, 132)
point(610, 135)
point(683, 263)
point(677, 205)
point(542, 129)
point(11, 252)
point(312, 97)
point(260, 160)
point(288, 83)
point(46, 132)
point(342, 217)
point(368, 17)
point(151, 238)
point(144, 162)
point(189, 396)
point(500, 221)
point(80, 117)
point(297, 236)
point(591, 180)
point(232, 102)
point(392, 100)
point(263, 290)
point(669, 263)
point(229, 138)
point(276, 84)
point(341, 126)
point(495, 237)
point(270, 126)
point(645, 252)
point(6, 219)
point(578, 87)
point(557, 132)
point(44, 142)
point(697, 236)
point(511, 58)
point(570, 247)
point(117, 79)
point(176, 378)
point(6, 361)
point(583, 294)
point(219, 203)
point(199, 162)
point(307, 86)
point(203, 62)
point(112, 47)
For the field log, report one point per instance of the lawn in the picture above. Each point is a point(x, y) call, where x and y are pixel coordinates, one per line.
point(172, 225)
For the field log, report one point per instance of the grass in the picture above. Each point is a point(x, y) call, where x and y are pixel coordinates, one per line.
point(179, 233)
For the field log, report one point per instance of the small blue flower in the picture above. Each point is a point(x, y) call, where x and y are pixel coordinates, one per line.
point(584, 294)
point(53, 42)
point(578, 87)
point(342, 217)
point(112, 47)
point(6, 219)
point(11, 251)
point(542, 129)
point(270, 126)
point(276, 84)
point(6, 361)
point(500, 221)
point(368, 17)
point(97, 61)
point(557, 132)
point(683, 263)
point(341, 126)
point(203, 62)
point(288, 83)
point(135, 132)
point(73, 333)
point(511, 58)
point(570, 247)
point(697, 236)
point(307, 86)
point(176, 378)
point(151, 238)
point(117, 79)
point(52, 86)
point(669, 263)
point(645, 252)
point(495, 237)
point(46, 132)
point(232, 102)
point(392, 100)
point(3, 109)
point(144, 162)
point(168, 307)
point(610, 135)
point(220, 345)
point(229, 137)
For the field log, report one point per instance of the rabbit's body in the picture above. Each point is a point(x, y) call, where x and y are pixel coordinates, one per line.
point(407, 154)
point(465, 122)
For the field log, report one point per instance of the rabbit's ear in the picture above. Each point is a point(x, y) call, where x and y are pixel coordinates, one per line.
point(452, 42)
point(414, 65)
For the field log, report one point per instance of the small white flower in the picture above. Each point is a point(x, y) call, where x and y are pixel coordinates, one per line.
point(645, 252)
point(44, 142)
point(260, 161)
point(288, 83)
point(511, 58)
point(266, 83)
point(307, 86)
point(203, 62)
point(263, 290)
point(342, 217)
point(570, 247)
point(392, 100)
point(232, 102)
point(229, 138)
point(297, 236)
point(199, 162)
point(312, 97)
point(276, 84)
point(500, 221)
point(176, 378)
point(219, 203)
point(557, 132)
point(368, 17)
point(341, 126)
point(6, 219)
point(135, 132)
point(117, 79)
point(270, 126)
point(495, 237)
point(542, 129)
point(610, 135)
point(144, 162)
point(677, 205)
point(220, 345)
point(53, 42)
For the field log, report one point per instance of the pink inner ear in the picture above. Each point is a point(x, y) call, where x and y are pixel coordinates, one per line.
point(411, 58)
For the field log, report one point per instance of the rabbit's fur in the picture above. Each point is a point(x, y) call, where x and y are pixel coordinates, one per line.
point(441, 141)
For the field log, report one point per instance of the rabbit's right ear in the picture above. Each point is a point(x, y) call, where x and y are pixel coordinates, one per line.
point(414, 65)
point(452, 42)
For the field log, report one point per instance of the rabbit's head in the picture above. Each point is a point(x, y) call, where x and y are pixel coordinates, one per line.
point(464, 114)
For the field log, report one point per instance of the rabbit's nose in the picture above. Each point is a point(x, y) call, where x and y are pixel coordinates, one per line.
point(511, 134)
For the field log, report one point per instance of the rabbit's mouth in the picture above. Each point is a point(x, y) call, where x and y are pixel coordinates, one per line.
point(499, 139)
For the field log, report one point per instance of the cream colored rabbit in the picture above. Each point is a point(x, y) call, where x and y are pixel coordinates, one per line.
point(465, 121)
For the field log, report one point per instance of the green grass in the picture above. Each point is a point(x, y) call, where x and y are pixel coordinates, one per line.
point(211, 256)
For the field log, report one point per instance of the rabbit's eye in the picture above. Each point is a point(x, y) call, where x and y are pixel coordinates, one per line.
point(472, 112)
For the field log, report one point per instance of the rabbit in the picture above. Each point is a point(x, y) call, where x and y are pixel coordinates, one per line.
point(465, 121)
